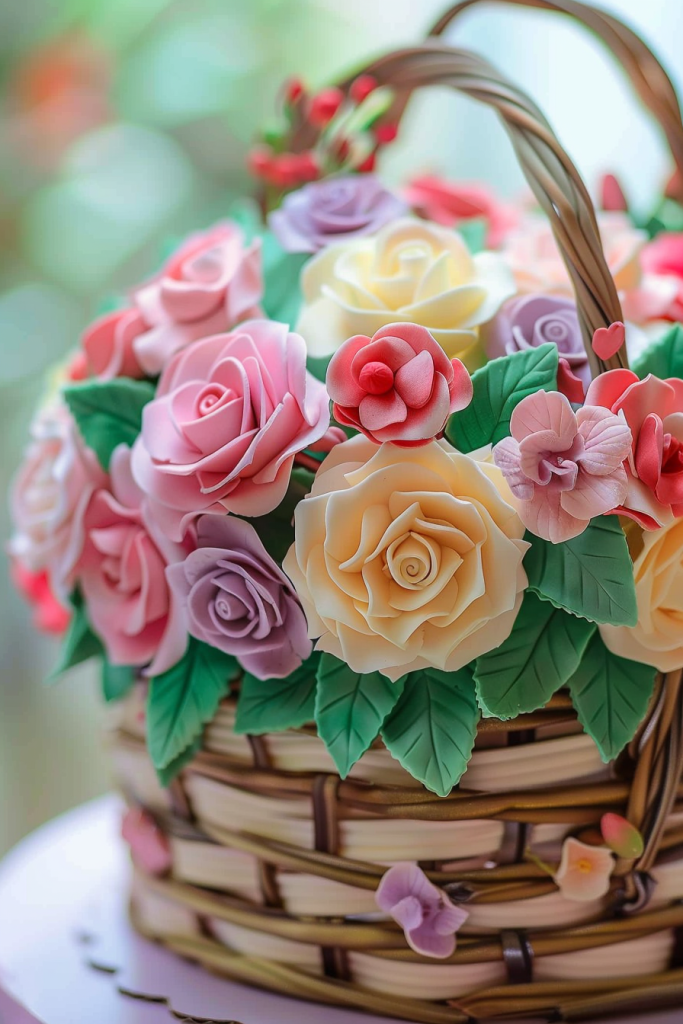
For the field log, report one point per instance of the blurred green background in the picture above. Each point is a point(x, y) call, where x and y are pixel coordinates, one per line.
point(123, 124)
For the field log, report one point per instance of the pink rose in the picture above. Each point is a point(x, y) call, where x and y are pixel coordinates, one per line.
point(208, 286)
point(397, 386)
point(108, 344)
point(49, 497)
point(122, 574)
point(450, 203)
point(563, 467)
point(653, 409)
point(230, 415)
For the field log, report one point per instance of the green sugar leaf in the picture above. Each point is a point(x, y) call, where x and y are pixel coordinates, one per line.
point(108, 413)
point(431, 730)
point(611, 695)
point(664, 357)
point(168, 774)
point(79, 643)
point(544, 649)
point(182, 700)
point(281, 270)
point(498, 388)
point(590, 575)
point(271, 705)
point(117, 680)
point(350, 709)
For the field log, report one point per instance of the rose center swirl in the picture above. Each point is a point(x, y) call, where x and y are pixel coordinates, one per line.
point(413, 561)
point(209, 398)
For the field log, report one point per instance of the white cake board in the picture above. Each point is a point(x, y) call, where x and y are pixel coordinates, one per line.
point(74, 871)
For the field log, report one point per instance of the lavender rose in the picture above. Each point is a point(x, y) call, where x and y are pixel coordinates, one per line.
point(236, 599)
point(530, 320)
point(334, 210)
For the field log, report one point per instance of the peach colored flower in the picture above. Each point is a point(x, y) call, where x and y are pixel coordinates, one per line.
point(584, 871)
point(409, 271)
point(398, 386)
point(407, 557)
point(428, 917)
point(532, 254)
point(563, 467)
point(50, 495)
point(657, 639)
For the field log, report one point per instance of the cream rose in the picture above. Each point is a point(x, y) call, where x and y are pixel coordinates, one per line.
point(657, 639)
point(410, 271)
point(407, 558)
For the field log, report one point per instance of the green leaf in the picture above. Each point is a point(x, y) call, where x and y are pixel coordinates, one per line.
point(350, 709)
point(590, 575)
point(167, 775)
point(431, 730)
point(611, 695)
point(79, 643)
point(271, 705)
point(474, 231)
point(183, 699)
point(498, 388)
point(317, 365)
point(281, 270)
point(117, 680)
point(664, 357)
point(544, 649)
point(667, 217)
point(108, 413)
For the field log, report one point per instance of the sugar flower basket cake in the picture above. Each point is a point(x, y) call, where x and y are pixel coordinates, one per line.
point(370, 504)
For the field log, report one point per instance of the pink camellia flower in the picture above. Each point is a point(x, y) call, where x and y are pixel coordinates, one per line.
point(426, 914)
point(108, 344)
point(208, 286)
point(49, 614)
point(149, 847)
point(653, 409)
point(564, 467)
point(122, 574)
point(584, 871)
point(397, 386)
point(49, 497)
point(237, 599)
point(452, 202)
point(230, 414)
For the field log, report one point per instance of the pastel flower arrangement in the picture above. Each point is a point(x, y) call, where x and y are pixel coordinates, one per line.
point(344, 451)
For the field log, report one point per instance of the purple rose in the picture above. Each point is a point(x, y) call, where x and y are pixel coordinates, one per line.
point(334, 210)
point(530, 320)
point(236, 599)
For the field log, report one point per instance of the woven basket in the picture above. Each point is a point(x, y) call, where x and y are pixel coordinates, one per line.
point(276, 860)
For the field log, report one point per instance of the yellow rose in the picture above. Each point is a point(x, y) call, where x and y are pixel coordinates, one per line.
point(657, 639)
point(411, 272)
point(406, 558)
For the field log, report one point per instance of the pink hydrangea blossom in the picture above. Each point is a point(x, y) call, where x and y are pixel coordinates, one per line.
point(653, 410)
point(149, 847)
point(584, 871)
point(122, 574)
point(49, 497)
point(563, 467)
point(210, 284)
point(397, 386)
point(428, 917)
point(230, 414)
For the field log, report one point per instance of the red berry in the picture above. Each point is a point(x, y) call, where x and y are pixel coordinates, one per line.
point(294, 90)
point(259, 161)
point(324, 106)
point(385, 133)
point(308, 167)
point(362, 87)
point(368, 164)
point(284, 171)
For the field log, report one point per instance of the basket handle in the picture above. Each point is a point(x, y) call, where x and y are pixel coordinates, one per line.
point(649, 79)
point(552, 176)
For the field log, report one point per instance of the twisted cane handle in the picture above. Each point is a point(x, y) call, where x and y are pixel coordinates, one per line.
point(645, 71)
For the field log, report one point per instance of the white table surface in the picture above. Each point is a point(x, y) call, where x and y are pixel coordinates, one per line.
point(72, 873)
